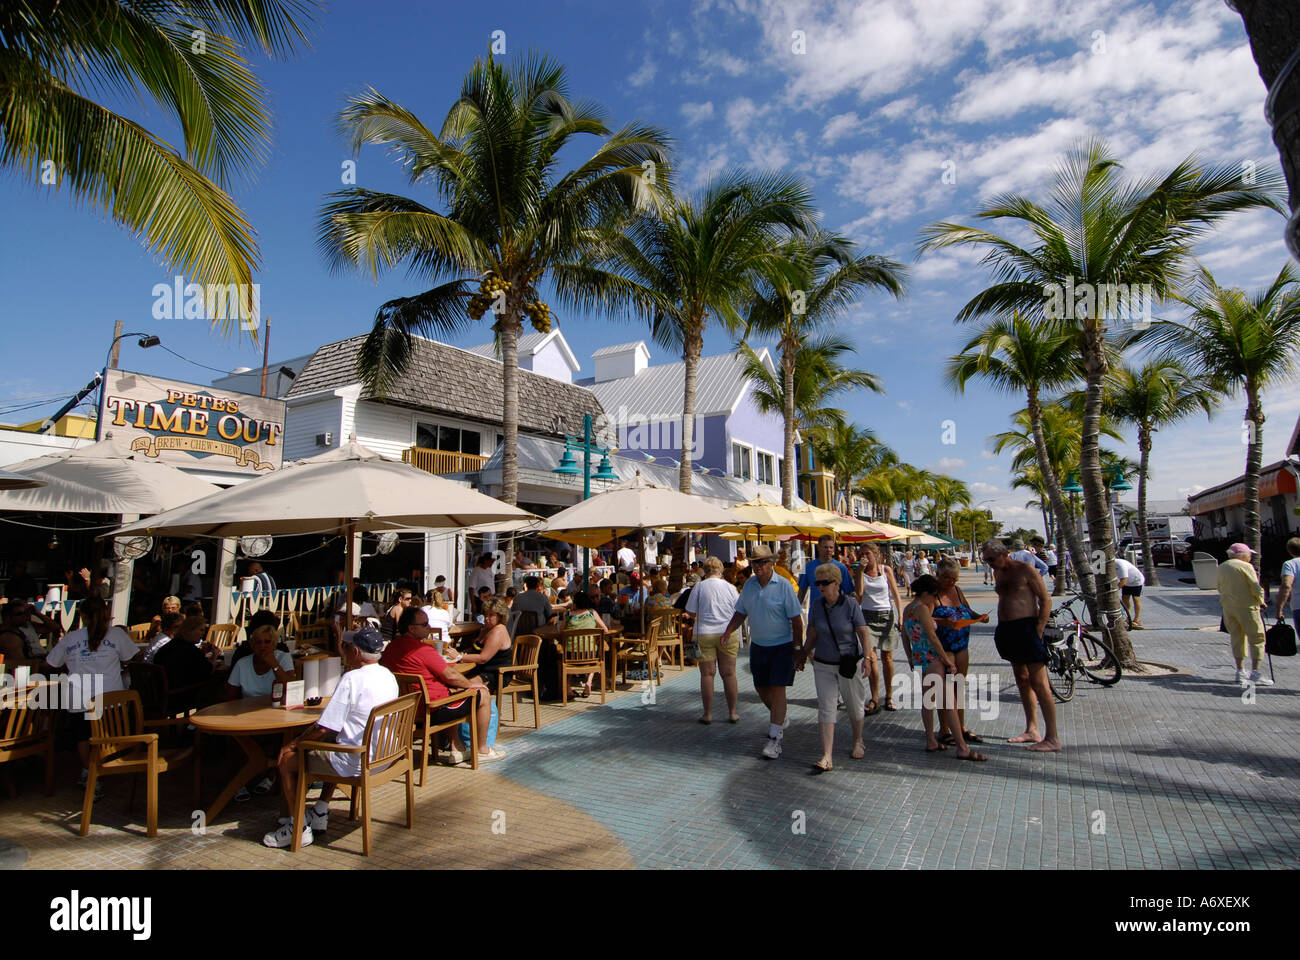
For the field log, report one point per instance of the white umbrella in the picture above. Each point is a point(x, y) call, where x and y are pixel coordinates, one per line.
point(344, 491)
point(16, 481)
point(104, 477)
point(634, 505)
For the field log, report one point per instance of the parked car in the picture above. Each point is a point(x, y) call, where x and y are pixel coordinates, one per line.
point(1176, 553)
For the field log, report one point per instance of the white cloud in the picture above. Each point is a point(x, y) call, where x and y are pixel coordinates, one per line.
point(840, 126)
point(741, 114)
point(697, 112)
point(644, 74)
point(947, 465)
point(988, 455)
point(980, 489)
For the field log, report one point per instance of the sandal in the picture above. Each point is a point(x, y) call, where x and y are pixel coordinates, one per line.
point(704, 720)
point(872, 709)
point(820, 767)
point(855, 755)
point(971, 737)
point(889, 705)
point(940, 747)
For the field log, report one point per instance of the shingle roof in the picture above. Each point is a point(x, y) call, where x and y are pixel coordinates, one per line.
point(449, 380)
point(660, 391)
point(526, 345)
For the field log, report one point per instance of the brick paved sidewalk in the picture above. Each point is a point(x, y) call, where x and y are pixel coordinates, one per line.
point(1173, 772)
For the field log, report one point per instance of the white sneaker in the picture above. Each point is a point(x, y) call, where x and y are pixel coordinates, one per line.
point(283, 835)
point(1241, 675)
point(493, 753)
point(1259, 680)
point(772, 749)
point(317, 822)
point(457, 756)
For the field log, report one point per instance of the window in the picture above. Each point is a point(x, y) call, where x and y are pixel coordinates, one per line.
point(741, 466)
point(780, 468)
point(766, 469)
point(451, 439)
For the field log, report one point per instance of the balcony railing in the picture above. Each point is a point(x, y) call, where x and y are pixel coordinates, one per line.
point(442, 461)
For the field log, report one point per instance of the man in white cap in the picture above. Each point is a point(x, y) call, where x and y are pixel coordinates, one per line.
point(1241, 596)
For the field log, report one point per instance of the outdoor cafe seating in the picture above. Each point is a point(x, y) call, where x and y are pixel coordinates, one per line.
point(428, 733)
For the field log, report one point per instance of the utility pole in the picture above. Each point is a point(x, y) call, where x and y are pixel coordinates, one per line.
point(266, 353)
point(117, 344)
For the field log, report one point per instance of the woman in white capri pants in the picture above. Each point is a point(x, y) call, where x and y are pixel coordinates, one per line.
point(837, 641)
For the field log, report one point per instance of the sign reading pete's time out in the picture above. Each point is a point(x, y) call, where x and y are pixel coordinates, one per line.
point(184, 424)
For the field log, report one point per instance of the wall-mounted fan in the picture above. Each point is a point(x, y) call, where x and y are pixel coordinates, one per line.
point(387, 543)
point(255, 546)
point(131, 548)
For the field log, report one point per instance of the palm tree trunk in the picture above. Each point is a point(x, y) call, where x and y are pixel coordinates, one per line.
point(1254, 456)
point(1144, 464)
point(787, 388)
point(1102, 561)
point(1066, 528)
point(509, 326)
point(694, 345)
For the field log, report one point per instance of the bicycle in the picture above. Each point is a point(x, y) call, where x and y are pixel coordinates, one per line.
point(1073, 652)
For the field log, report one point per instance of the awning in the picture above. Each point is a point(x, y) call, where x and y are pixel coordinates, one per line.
point(1274, 481)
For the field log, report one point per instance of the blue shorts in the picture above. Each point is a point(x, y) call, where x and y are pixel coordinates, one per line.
point(772, 666)
point(1019, 641)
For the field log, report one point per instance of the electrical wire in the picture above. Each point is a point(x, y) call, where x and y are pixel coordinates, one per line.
point(195, 362)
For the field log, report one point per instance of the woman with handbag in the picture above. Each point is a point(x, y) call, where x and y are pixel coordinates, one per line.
point(837, 641)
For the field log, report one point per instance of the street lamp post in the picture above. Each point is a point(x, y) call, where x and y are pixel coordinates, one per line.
point(569, 468)
point(146, 341)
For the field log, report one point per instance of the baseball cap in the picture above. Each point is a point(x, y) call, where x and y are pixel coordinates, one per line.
point(368, 640)
point(1239, 548)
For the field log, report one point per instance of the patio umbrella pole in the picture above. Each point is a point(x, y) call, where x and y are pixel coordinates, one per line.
point(350, 559)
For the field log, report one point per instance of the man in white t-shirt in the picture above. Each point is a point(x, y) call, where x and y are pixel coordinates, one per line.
point(480, 577)
point(1131, 582)
point(625, 559)
point(1290, 580)
point(366, 685)
point(712, 602)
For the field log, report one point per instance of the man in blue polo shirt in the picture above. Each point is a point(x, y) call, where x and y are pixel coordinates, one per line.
point(775, 630)
point(825, 554)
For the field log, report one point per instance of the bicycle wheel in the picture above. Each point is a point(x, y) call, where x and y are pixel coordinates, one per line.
point(1099, 662)
point(1060, 674)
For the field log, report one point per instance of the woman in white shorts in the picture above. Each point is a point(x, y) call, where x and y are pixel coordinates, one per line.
point(837, 643)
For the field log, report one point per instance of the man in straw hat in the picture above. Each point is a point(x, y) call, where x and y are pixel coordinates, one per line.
point(775, 630)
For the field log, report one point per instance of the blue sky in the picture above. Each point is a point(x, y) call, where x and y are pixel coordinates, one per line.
point(887, 96)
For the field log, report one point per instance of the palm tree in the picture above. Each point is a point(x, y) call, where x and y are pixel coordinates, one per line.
point(813, 278)
point(1161, 393)
point(1016, 355)
point(1239, 344)
point(876, 488)
point(1100, 235)
point(819, 377)
point(948, 492)
point(186, 58)
point(693, 259)
point(510, 216)
point(845, 448)
point(910, 485)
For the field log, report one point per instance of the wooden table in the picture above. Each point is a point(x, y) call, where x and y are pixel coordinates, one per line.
point(245, 720)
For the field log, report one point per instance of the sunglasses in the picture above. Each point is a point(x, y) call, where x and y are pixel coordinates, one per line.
point(825, 583)
point(757, 562)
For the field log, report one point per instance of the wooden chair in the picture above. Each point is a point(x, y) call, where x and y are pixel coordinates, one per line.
point(647, 649)
point(317, 635)
point(523, 623)
point(117, 745)
point(139, 631)
point(158, 699)
point(521, 677)
point(426, 731)
point(386, 755)
point(27, 732)
point(583, 652)
point(670, 637)
point(223, 636)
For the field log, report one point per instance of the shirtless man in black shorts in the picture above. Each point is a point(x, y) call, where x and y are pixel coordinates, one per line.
point(1023, 608)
